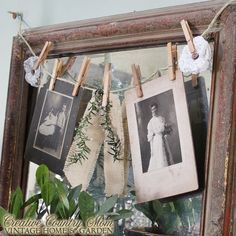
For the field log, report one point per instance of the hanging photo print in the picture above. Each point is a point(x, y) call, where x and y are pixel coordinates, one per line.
point(53, 125)
point(161, 140)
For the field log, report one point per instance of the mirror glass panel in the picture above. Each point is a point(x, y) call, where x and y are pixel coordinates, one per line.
point(178, 213)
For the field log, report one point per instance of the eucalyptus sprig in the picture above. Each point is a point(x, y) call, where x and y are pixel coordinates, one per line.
point(83, 150)
point(111, 137)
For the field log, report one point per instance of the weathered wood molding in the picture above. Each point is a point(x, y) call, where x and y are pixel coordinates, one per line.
point(135, 30)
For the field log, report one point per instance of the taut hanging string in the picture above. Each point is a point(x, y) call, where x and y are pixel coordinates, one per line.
point(208, 30)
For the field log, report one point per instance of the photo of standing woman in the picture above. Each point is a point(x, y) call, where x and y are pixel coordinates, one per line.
point(157, 128)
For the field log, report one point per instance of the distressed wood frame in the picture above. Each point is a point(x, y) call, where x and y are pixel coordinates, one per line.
point(137, 29)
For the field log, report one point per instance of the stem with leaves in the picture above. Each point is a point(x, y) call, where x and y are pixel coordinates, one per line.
point(111, 136)
point(56, 197)
point(83, 150)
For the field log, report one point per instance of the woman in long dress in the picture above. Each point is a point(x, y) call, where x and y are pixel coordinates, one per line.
point(48, 126)
point(46, 131)
point(160, 152)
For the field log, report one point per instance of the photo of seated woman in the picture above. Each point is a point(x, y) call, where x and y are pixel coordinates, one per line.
point(52, 124)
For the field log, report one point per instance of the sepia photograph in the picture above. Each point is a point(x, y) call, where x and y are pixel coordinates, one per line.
point(53, 122)
point(161, 142)
point(157, 129)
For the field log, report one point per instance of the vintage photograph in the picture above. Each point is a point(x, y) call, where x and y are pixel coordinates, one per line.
point(52, 127)
point(161, 142)
point(157, 129)
point(53, 122)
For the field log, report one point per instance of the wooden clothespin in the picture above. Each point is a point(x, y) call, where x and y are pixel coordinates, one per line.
point(59, 68)
point(56, 68)
point(137, 80)
point(43, 55)
point(82, 75)
point(106, 84)
point(189, 38)
point(65, 67)
point(172, 60)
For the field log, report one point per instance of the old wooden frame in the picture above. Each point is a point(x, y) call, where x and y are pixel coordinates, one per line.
point(154, 27)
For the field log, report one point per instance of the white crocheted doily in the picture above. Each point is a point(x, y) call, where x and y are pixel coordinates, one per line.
point(190, 66)
point(32, 76)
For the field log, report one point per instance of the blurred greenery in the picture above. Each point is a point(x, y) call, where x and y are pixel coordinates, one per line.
point(56, 197)
point(177, 217)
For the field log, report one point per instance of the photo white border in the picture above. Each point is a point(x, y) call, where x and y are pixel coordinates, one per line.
point(174, 179)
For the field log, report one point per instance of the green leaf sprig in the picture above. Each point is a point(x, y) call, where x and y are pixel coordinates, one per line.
point(83, 149)
point(111, 138)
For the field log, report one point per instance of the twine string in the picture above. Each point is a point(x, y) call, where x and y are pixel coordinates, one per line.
point(211, 25)
point(153, 75)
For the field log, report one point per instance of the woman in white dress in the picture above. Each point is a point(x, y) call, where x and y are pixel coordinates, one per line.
point(160, 153)
point(48, 126)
